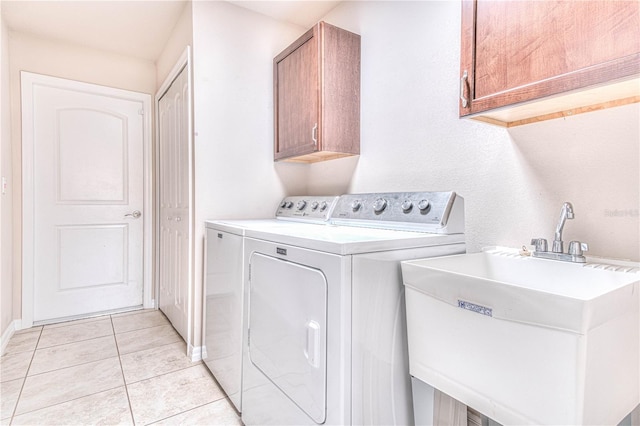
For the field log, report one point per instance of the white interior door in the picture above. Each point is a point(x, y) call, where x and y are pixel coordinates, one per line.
point(87, 204)
point(173, 189)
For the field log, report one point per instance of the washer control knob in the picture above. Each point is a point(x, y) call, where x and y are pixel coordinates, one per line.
point(314, 206)
point(283, 204)
point(300, 205)
point(379, 205)
point(289, 204)
point(406, 205)
point(355, 206)
point(323, 206)
point(423, 205)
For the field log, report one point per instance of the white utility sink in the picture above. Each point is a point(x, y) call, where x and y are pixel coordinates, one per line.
point(527, 340)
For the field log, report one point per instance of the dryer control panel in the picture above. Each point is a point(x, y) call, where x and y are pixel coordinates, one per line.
point(306, 208)
point(437, 212)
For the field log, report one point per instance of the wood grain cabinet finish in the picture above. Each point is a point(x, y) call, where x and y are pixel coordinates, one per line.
point(518, 51)
point(317, 96)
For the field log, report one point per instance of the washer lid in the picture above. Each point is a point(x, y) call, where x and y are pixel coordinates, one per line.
point(345, 240)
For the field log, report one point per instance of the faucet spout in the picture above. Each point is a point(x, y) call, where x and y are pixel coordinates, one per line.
point(565, 213)
point(576, 248)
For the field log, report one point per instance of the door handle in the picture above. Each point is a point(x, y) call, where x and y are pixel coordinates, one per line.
point(463, 85)
point(136, 214)
point(313, 342)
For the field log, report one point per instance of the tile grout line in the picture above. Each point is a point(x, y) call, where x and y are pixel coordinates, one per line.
point(65, 402)
point(163, 374)
point(124, 379)
point(144, 328)
point(72, 366)
point(26, 375)
point(76, 341)
point(183, 412)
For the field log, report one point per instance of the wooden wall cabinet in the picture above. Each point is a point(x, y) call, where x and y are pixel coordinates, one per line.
point(568, 56)
point(317, 96)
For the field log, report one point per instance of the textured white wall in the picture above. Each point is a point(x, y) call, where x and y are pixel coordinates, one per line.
point(235, 176)
point(514, 182)
point(6, 281)
point(181, 37)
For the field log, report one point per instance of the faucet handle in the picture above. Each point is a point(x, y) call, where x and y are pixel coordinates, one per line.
point(540, 244)
point(576, 248)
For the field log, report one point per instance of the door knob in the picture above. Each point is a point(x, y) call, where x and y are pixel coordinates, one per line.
point(136, 214)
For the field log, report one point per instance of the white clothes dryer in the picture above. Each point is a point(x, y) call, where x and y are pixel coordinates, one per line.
point(326, 329)
point(224, 280)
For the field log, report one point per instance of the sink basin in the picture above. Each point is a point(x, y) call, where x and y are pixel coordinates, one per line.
point(527, 340)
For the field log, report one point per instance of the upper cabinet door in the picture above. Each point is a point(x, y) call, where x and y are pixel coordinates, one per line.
point(296, 91)
point(518, 51)
point(317, 96)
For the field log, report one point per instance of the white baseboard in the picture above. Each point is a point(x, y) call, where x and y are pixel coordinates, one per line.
point(194, 353)
point(8, 333)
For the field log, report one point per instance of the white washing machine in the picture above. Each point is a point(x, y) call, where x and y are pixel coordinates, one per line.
point(326, 340)
point(224, 280)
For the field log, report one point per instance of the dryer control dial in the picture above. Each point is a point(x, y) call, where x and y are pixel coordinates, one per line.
point(407, 205)
point(379, 205)
point(423, 205)
point(300, 205)
point(355, 206)
point(323, 206)
point(314, 205)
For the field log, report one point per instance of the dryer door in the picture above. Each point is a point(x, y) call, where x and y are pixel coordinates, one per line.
point(287, 326)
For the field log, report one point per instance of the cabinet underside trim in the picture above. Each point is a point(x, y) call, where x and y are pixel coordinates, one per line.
point(573, 103)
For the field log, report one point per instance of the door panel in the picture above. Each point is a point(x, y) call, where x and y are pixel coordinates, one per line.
point(99, 139)
point(288, 330)
point(88, 176)
point(174, 218)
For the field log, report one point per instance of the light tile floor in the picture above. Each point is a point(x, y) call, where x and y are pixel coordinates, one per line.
point(127, 368)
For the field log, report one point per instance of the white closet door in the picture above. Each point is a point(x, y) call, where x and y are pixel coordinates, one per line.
point(173, 190)
point(88, 178)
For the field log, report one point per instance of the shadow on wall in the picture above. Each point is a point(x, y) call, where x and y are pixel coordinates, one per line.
point(336, 176)
point(593, 161)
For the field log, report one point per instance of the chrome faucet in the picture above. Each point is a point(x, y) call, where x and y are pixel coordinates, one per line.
point(576, 248)
point(565, 213)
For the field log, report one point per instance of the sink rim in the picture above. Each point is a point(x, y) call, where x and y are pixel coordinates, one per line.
point(593, 280)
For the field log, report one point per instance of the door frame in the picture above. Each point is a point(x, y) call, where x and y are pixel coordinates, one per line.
point(27, 81)
point(184, 62)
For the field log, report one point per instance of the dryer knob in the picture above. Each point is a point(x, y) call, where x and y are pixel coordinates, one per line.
point(379, 205)
point(355, 206)
point(289, 204)
point(407, 205)
point(283, 204)
point(314, 206)
point(301, 205)
point(423, 205)
point(323, 206)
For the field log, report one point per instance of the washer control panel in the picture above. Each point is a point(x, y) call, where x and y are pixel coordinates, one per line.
point(439, 212)
point(312, 208)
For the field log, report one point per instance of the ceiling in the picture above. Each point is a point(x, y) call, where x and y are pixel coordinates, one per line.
point(138, 28)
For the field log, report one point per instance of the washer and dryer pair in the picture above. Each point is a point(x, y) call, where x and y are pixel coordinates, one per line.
point(316, 309)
